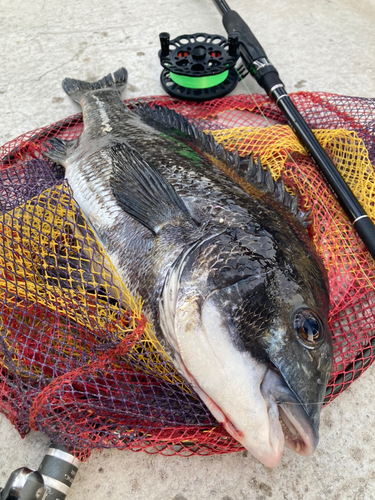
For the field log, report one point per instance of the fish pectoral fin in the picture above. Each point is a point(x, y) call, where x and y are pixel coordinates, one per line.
point(143, 192)
point(57, 149)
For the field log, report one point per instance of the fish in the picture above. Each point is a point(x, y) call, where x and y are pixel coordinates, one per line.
point(228, 275)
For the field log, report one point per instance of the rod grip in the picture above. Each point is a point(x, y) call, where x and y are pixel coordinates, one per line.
point(233, 22)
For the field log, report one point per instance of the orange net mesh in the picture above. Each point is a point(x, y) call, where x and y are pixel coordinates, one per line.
point(78, 359)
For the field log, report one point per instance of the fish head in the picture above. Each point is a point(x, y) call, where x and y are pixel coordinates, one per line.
point(250, 334)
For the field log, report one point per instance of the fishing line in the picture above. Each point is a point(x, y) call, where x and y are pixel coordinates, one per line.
point(198, 82)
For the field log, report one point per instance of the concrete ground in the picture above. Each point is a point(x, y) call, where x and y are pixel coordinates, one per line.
point(325, 45)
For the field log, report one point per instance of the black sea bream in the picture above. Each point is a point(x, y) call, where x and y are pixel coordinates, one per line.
point(230, 281)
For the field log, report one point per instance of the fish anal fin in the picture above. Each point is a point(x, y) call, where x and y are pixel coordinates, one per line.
point(142, 192)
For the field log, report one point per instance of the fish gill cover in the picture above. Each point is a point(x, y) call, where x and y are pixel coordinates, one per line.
point(78, 359)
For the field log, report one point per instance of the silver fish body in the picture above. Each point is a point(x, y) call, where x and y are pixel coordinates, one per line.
point(229, 278)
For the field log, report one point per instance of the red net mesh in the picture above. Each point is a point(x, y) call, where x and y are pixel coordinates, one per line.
point(78, 360)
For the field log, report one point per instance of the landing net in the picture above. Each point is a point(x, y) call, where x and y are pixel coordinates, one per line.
point(78, 360)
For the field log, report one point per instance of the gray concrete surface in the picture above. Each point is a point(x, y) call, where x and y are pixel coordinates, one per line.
point(325, 45)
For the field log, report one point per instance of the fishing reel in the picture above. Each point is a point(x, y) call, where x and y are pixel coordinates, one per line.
point(199, 67)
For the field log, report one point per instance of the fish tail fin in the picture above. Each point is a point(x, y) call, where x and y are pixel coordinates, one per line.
point(76, 89)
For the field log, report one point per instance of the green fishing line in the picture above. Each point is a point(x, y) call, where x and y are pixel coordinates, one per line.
point(198, 82)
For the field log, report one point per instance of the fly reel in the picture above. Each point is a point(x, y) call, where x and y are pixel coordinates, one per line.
point(198, 67)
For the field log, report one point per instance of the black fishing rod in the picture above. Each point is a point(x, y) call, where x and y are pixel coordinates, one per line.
point(268, 78)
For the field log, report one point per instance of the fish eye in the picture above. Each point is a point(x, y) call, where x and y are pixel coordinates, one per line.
point(309, 328)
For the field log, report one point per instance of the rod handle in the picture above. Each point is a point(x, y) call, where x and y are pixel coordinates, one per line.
point(233, 22)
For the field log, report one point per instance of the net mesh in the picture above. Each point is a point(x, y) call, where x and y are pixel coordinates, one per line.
point(78, 359)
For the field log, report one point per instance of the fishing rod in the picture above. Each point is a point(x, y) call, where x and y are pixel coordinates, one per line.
point(256, 62)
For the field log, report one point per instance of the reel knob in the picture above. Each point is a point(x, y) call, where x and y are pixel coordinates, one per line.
point(198, 67)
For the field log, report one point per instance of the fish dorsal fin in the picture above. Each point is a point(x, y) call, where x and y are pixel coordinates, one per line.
point(245, 166)
point(143, 192)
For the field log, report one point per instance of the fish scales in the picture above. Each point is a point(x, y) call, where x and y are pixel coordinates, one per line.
point(229, 278)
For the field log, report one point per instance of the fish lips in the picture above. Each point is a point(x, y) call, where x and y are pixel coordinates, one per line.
point(301, 433)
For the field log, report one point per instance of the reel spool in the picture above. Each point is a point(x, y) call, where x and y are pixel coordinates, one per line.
point(198, 67)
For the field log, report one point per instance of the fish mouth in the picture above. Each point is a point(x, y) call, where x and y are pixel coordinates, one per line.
point(296, 436)
point(300, 433)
